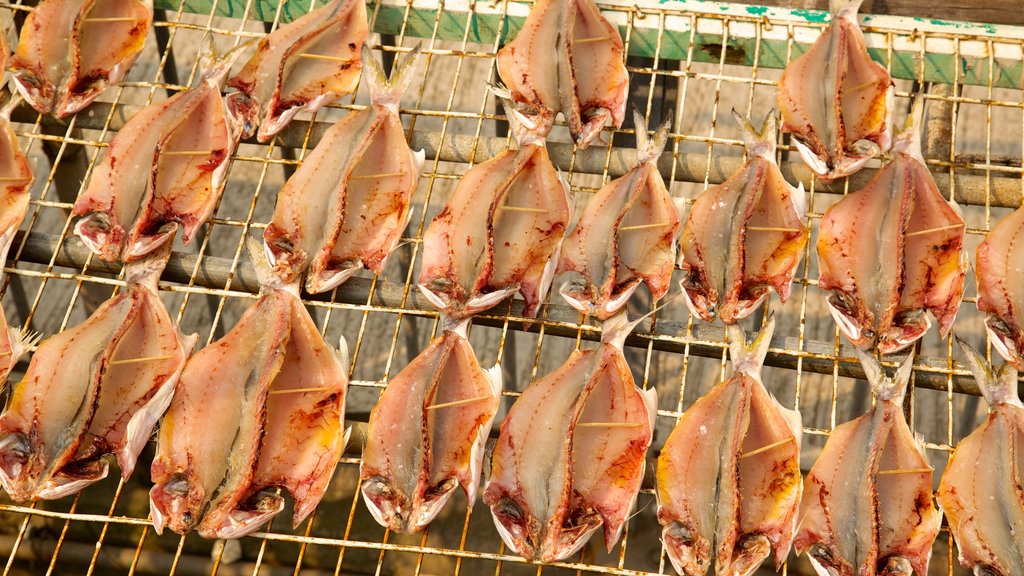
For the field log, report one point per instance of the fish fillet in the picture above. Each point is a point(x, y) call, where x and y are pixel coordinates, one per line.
point(1000, 275)
point(567, 59)
point(70, 51)
point(892, 251)
point(867, 506)
point(626, 236)
point(427, 433)
point(570, 455)
point(744, 237)
point(302, 66)
point(729, 474)
point(836, 101)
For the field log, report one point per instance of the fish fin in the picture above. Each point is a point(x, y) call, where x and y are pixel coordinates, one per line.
point(14, 102)
point(848, 8)
point(886, 388)
point(748, 358)
point(342, 354)
point(651, 401)
point(758, 142)
point(997, 387)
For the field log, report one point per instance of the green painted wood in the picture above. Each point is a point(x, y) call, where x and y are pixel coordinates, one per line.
point(483, 28)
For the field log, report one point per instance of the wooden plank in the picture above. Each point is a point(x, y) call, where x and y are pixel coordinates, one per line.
point(962, 10)
point(966, 61)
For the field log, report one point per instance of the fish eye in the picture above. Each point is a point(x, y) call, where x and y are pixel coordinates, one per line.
point(510, 509)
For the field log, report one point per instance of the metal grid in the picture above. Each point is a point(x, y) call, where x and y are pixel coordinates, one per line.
point(975, 142)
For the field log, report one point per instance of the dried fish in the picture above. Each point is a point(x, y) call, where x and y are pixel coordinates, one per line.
point(165, 169)
point(275, 393)
point(500, 231)
point(72, 50)
point(567, 58)
point(744, 237)
point(302, 66)
point(95, 389)
point(426, 435)
point(981, 492)
point(867, 506)
point(998, 270)
point(729, 474)
point(347, 205)
point(15, 183)
point(626, 235)
point(892, 251)
point(836, 101)
point(570, 455)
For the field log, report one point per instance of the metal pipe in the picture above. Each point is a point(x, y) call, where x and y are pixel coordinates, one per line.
point(558, 319)
point(1004, 191)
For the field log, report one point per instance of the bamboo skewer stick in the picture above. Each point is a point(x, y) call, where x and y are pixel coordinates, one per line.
point(772, 229)
point(324, 57)
point(15, 178)
point(906, 471)
point(763, 449)
point(186, 152)
point(141, 359)
point(381, 175)
point(930, 230)
point(457, 402)
point(109, 19)
point(300, 390)
point(589, 40)
point(522, 209)
point(608, 424)
point(643, 226)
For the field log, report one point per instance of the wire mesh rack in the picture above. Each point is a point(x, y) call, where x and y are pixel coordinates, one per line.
point(692, 59)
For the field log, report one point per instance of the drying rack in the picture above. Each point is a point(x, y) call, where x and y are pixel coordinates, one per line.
point(689, 57)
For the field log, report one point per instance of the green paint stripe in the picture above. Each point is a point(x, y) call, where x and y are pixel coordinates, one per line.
point(674, 45)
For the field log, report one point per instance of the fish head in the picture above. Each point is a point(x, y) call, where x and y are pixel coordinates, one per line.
point(574, 531)
point(244, 111)
point(907, 328)
point(389, 506)
point(749, 553)
point(825, 563)
point(71, 479)
point(247, 518)
point(15, 454)
point(701, 299)
point(689, 552)
point(895, 566)
point(520, 530)
point(177, 503)
point(104, 237)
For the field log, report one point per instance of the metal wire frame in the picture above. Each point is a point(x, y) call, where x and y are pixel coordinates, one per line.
point(380, 298)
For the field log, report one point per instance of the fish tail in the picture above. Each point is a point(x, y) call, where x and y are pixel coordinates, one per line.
point(886, 388)
point(147, 270)
point(455, 325)
point(758, 142)
point(847, 7)
point(614, 330)
point(14, 102)
point(997, 387)
point(215, 67)
point(384, 90)
point(908, 140)
point(748, 358)
point(649, 148)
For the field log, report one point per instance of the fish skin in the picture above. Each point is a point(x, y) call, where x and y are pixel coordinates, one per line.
point(62, 63)
point(613, 263)
point(587, 83)
point(884, 276)
point(980, 491)
point(65, 415)
point(271, 92)
point(476, 254)
point(1000, 279)
point(313, 227)
point(14, 201)
point(728, 269)
point(138, 197)
point(415, 457)
point(836, 101)
point(548, 496)
point(856, 521)
point(716, 505)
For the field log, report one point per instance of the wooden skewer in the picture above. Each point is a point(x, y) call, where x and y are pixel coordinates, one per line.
point(300, 390)
point(930, 230)
point(324, 57)
point(589, 40)
point(763, 449)
point(14, 179)
point(381, 175)
point(109, 19)
point(864, 85)
point(186, 152)
point(771, 229)
point(907, 471)
point(141, 359)
point(522, 209)
point(457, 402)
point(608, 424)
point(643, 226)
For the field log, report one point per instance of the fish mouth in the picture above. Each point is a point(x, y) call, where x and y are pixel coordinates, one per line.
point(689, 553)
